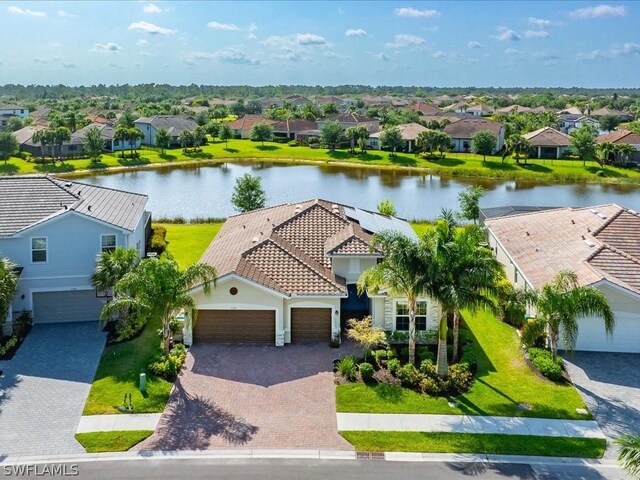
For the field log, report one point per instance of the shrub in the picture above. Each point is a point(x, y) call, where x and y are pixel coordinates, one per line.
point(169, 366)
point(293, 143)
point(460, 378)
point(347, 367)
point(8, 346)
point(393, 365)
point(546, 366)
point(469, 358)
point(157, 240)
point(366, 371)
point(533, 334)
point(22, 324)
point(431, 386)
point(409, 375)
point(129, 329)
point(425, 354)
point(380, 356)
point(428, 368)
point(600, 173)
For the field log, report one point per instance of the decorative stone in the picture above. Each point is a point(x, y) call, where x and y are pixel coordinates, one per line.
point(582, 411)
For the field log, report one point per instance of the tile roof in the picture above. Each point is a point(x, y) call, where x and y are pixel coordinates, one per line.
point(11, 107)
point(285, 247)
point(294, 125)
point(174, 124)
point(620, 136)
point(425, 108)
point(348, 117)
point(409, 131)
point(467, 127)
point(30, 199)
point(249, 121)
point(481, 107)
point(610, 111)
point(598, 243)
point(547, 137)
point(513, 109)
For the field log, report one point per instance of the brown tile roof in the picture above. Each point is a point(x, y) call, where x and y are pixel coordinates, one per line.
point(547, 137)
point(409, 131)
point(249, 121)
point(425, 108)
point(294, 125)
point(513, 109)
point(348, 117)
point(597, 243)
point(467, 127)
point(609, 111)
point(620, 136)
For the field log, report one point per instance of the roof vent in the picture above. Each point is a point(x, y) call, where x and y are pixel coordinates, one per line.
point(593, 210)
point(633, 212)
point(602, 216)
point(89, 208)
point(254, 240)
point(589, 242)
point(527, 233)
point(573, 222)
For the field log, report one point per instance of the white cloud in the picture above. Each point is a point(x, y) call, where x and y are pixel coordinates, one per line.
point(55, 45)
point(355, 32)
point(25, 11)
point(106, 47)
point(150, 28)
point(252, 36)
point(406, 40)
point(229, 55)
point(142, 42)
point(69, 65)
point(539, 22)
point(513, 51)
point(474, 44)
point(506, 34)
point(252, 27)
point(63, 14)
point(438, 54)
point(151, 8)
point(334, 55)
point(223, 26)
point(546, 58)
point(309, 39)
point(415, 13)
point(599, 11)
point(592, 56)
point(628, 49)
point(536, 34)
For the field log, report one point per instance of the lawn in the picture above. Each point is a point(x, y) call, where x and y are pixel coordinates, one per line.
point(503, 381)
point(458, 164)
point(480, 443)
point(118, 374)
point(120, 441)
point(187, 242)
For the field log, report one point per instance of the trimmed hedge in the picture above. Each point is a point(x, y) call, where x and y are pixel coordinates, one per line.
point(544, 363)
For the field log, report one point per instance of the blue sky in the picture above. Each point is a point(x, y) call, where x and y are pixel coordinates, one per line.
point(543, 43)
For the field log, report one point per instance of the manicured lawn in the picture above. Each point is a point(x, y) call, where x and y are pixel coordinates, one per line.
point(458, 164)
point(502, 382)
point(476, 443)
point(118, 374)
point(96, 442)
point(421, 227)
point(187, 242)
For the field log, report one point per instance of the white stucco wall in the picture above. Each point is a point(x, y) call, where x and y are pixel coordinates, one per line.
point(350, 268)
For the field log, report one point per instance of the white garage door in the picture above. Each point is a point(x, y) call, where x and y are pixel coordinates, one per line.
point(626, 335)
point(70, 306)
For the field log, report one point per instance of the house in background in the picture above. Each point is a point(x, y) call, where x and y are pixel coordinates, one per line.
point(458, 107)
point(463, 129)
point(347, 120)
point(409, 131)
point(4, 121)
point(290, 128)
point(480, 110)
point(599, 244)
point(288, 273)
point(14, 111)
point(74, 148)
point(512, 109)
point(570, 122)
point(56, 239)
point(174, 124)
point(425, 109)
point(621, 136)
point(548, 142)
point(108, 132)
point(243, 125)
point(622, 116)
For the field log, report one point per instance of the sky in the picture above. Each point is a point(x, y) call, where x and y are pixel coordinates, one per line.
point(473, 43)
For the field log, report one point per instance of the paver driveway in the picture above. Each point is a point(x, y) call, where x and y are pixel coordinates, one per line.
point(610, 386)
point(45, 386)
point(259, 397)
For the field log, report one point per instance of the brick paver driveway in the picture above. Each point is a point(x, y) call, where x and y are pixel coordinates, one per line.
point(45, 386)
point(610, 386)
point(259, 397)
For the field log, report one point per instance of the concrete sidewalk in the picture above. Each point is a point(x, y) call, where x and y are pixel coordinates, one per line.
point(544, 427)
point(118, 422)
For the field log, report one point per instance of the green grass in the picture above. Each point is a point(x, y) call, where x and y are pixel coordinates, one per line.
point(439, 442)
point(187, 242)
point(118, 374)
point(457, 164)
point(502, 382)
point(120, 441)
point(421, 227)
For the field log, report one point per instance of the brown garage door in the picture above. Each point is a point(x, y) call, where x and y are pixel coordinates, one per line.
point(310, 324)
point(235, 326)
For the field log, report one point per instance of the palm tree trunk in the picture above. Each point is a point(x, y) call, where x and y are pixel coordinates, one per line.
point(442, 367)
point(456, 334)
point(412, 331)
point(166, 335)
point(553, 344)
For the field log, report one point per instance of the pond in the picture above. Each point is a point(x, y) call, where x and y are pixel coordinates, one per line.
point(205, 191)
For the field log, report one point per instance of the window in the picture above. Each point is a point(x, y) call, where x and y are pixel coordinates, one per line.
point(402, 316)
point(107, 243)
point(39, 250)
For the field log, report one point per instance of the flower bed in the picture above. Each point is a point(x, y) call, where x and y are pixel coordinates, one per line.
point(9, 345)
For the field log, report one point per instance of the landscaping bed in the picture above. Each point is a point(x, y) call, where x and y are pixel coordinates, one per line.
point(9, 344)
point(117, 441)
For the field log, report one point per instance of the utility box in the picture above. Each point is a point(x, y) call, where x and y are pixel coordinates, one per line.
point(143, 382)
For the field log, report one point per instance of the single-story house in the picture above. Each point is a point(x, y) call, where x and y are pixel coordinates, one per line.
point(571, 122)
point(462, 131)
point(174, 124)
point(458, 107)
point(14, 111)
point(425, 109)
point(623, 136)
point(409, 131)
point(327, 99)
point(348, 119)
point(622, 116)
point(74, 148)
point(53, 229)
point(288, 273)
point(292, 127)
point(571, 111)
point(600, 244)
point(542, 109)
point(548, 142)
point(108, 132)
point(513, 109)
point(242, 126)
point(480, 110)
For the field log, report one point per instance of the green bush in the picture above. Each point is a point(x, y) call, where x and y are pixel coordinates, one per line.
point(431, 386)
point(425, 354)
point(460, 378)
point(157, 240)
point(347, 367)
point(168, 366)
point(468, 357)
point(366, 371)
point(293, 143)
point(544, 363)
point(22, 324)
point(129, 329)
point(533, 334)
point(409, 375)
point(393, 365)
point(428, 368)
point(8, 345)
point(380, 356)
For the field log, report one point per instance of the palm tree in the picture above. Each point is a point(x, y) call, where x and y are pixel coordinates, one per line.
point(121, 135)
point(127, 119)
point(186, 139)
point(560, 303)
point(518, 145)
point(61, 135)
point(606, 150)
point(363, 136)
point(163, 139)
point(133, 136)
point(402, 272)
point(8, 287)
point(200, 137)
point(624, 150)
point(352, 135)
point(629, 454)
point(41, 137)
point(112, 266)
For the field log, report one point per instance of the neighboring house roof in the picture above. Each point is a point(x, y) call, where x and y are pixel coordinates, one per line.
point(513, 109)
point(11, 107)
point(609, 111)
point(620, 136)
point(106, 130)
point(482, 108)
point(457, 106)
point(329, 99)
point(24, 134)
point(597, 243)
point(466, 127)
point(508, 210)
point(547, 137)
point(409, 131)
point(249, 121)
point(294, 125)
point(425, 108)
point(572, 111)
point(348, 117)
point(541, 109)
point(30, 199)
point(174, 124)
point(286, 247)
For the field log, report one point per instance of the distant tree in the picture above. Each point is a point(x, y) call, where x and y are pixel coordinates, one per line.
point(61, 135)
point(363, 136)
point(248, 193)
point(71, 121)
point(518, 145)
point(331, 134)
point(133, 137)
point(41, 137)
point(8, 145)
point(121, 136)
point(469, 200)
point(609, 122)
point(623, 152)
point(199, 136)
point(253, 107)
point(427, 140)
point(14, 124)
point(225, 133)
point(261, 132)
point(391, 138)
point(163, 139)
point(186, 140)
point(127, 119)
point(93, 144)
point(238, 108)
point(329, 109)
point(606, 151)
point(212, 128)
point(352, 134)
point(583, 143)
point(386, 207)
point(309, 111)
point(202, 118)
point(483, 143)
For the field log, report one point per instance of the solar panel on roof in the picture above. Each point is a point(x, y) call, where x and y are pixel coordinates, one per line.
point(374, 222)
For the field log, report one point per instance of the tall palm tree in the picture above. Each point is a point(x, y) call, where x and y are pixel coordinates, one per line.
point(41, 137)
point(61, 135)
point(163, 139)
point(562, 302)
point(186, 139)
point(629, 454)
point(8, 287)
point(133, 136)
point(402, 272)
point(112, 266)
point(606, 150)
point(121, 135)
point(363, 136)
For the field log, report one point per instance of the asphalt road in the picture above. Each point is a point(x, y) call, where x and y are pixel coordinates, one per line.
point(214, 469)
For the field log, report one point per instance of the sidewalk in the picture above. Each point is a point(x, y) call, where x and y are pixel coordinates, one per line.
point(544, 427)
point(118, 422)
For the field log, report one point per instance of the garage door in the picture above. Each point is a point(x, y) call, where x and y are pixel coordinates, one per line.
point(626, 335)
point(73, 306)
point(310, 324)
point(235, 326)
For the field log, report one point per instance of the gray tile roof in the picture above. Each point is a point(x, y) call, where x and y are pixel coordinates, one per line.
point(28, 200)
point(174, 124)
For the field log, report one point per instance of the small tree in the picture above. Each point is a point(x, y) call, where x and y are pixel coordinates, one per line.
point(352, 134)
point(391, 139)
point(261, 132)
point(8, 145)
point(199, 136)
point(363, 136)
point(364, 333)
point(14, 124)
point(93, 144)
point(163, 139)
point(212, 128)
point(8, 287)
point(624, 151)
point(386, 207)
point(186, 140)
point(483, 143)
point(518, 145)
point(133, 137)
point(583, 143)
point(469, 200)
point(609, 122)
point(629, 454)
point(127, 119)
point(121, 135)
point(606, 150)
point(248, 193)
point(225, 133)
point(331, 134)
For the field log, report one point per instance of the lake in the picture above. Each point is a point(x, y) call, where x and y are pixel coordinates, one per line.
point(205, 191)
